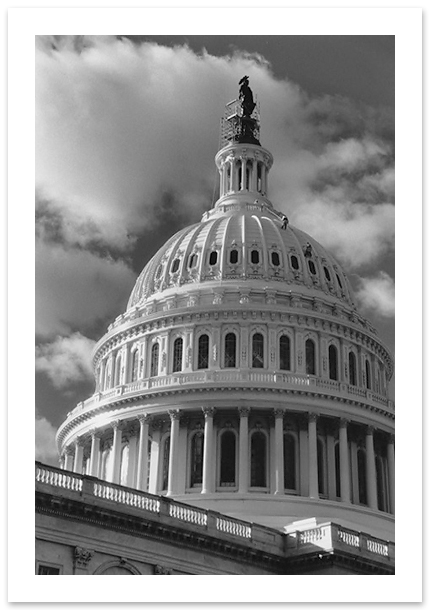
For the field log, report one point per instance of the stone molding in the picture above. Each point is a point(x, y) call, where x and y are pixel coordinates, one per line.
point(82, 557)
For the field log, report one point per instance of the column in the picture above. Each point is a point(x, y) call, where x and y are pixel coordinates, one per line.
point(208, 483)
point(68, 463)
point(116, 451)
point(391, 472)
point(279, 448)
point(142, 456)
point(79, 456)
point(95, 454)
point(155, 457)
point(313, 455)
point(173, 456)
point(243, 177)
point(372, 495)
point(243, 450)
point(345, 483)
point(254, 175)
point(126, 357)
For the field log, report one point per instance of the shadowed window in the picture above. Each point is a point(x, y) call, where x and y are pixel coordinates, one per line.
point(368, 377)
point(234, 257)
point(337, 468)
point(289, 461)
point(295, 262)
point(327, 274)
point(284, 353)
point(203, 352)
point(154, 359)
point(255, 257)
point(339, 282)
point(197, 442)
point(362, 478)
point(193, 260)
point(175, 265)
point(177, 355)
point(276, 261)
point(230, 351)
point(310, 357)
point(166, 455)
point(213, 258)
point(134, 365)
point(312, 267)
point(352, 369)
point(332, 362)
point(258, 460)
point(257, 351)
point(228, 459)
point(321, 467)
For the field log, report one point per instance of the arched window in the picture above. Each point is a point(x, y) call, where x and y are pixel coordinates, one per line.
point(197, 442)
point(155, 351)
point(337, 468)
point(118, 361)
point(248, 175)
point(165, 471)
point(177, 355)
point(362, 477)
point(327, 274)
point(203, 352)
point(228, 459)
point(289, 461)
point(276, 261)
point(258, 459)
point(134, 365)
point(332, 362)
point(234, 257)
point(352, 368)
point(213, 257)
point(255, 257)
point(322, 476)
point(175, 265)
point(368, 377)
point(230, 351)
point(310, 357)
point(295, 262)
point(125, 453)
point(257, 351)
point(312, 269)
point(284, 353)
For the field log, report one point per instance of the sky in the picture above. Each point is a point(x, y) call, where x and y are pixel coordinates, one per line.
point(127, 128)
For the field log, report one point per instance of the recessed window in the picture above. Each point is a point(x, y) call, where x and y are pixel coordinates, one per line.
point(255, 257)
point(48, 570)
point(276, 261)
point(228, 459)
point(295, 262)
point(332, 362)
point(312, 267)
point(154, 359)
point(339, 282)
point(289, 461)
point(258, 460)
point(284, 353)
point(310, 357)
point(175, 265)
point(213, 258)
point(230, 351)
point(197, 443)
point(352, 368)
point(192, 262)
point(327, 274)
point(203, 352)
point(177, 355)
point(234, 256)
point(368, 377)
point(257, 351)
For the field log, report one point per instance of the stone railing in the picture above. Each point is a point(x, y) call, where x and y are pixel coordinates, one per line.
point(283, 380)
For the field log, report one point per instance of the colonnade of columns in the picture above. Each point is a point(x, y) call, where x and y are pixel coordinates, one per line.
point(141, 469)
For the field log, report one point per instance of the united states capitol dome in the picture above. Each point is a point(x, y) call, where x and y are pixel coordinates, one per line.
point(241, 376)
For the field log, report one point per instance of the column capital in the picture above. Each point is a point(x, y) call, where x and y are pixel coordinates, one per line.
point(344, 422)
point(208, 411)
point(144, 418)
point(244, 411)
point(116, 425)
point(80, 441)
point(69, 450)
point(391, 438)
point(313, 417)
point(279, 413)
point(370, 430)
point(95, 433)
point(175, 414)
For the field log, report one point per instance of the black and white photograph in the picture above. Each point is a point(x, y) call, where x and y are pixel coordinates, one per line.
point(215, 304)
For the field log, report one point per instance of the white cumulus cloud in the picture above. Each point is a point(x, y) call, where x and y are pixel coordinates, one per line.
point(46, 448)
point(377, 294)
point(67, 360)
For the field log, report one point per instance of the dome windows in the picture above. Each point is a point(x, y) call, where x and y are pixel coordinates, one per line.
point(192, 261)
point(327, 274)
point(352, 362)
point(339, 282)
point(197, 444)
point(175, 265)
point(294, 262)
point(203, 352)
point(310, 357)
point(213, 258)
point(276, 261)
point(155, 352)
point(177, 355)
point(158, 272)
point(284, 353)
point(255, 257)
point(234, 257)
point(258, 459)
point(332, 363)
point(257, 351)
point(228, 459)
point(311, 266)
point(230, 351)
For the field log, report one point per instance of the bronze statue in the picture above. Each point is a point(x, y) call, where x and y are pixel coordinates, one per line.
point(246, 97)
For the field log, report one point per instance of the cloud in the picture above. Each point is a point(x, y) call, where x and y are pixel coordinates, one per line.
point(67, 360)
point(46, 448)
point(120, 125)
point(377, 294)
point(76, 289)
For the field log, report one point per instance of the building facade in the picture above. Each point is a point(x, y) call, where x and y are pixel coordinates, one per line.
point(241, 378)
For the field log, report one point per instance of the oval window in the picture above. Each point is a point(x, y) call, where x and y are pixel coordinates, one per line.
point(213, 257)
point(339, 282)
point(327, 274)
point(275, 259)
point(312, 267)
point(294, 262)
point(255, 257)
point(175, 265)
point(192, 260)
point(234, 257)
